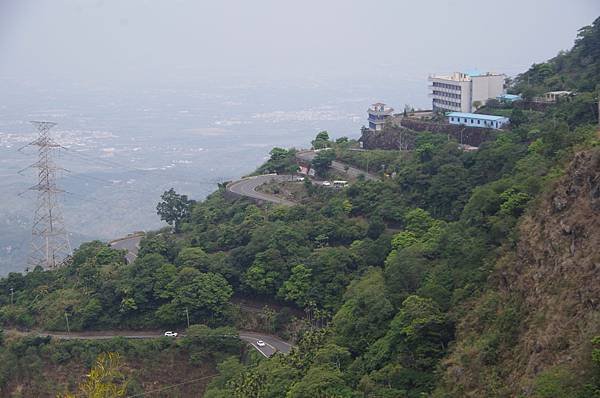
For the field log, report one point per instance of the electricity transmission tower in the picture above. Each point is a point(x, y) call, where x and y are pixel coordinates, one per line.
point(49, 239)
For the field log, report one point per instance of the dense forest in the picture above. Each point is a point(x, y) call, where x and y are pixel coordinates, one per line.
point(377, 283)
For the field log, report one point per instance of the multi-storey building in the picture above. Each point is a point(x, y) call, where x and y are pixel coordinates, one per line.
point(378, 114)
point(463, 92)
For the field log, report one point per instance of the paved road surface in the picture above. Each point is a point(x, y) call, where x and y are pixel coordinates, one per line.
point(272, 345)
point(339, 166)
point(247, 187)
point(131, 244)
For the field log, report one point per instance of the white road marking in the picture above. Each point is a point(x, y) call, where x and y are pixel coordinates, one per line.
point(259, 350)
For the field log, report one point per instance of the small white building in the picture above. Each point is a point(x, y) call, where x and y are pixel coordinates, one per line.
point(477, 120)
point(378, 114)
point(461, 92)
point(554, 96)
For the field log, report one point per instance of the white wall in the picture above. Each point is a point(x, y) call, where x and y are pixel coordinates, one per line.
point(486, 87)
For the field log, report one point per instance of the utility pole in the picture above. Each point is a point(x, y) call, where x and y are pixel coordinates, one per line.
point(50, 242)
point(67, 319)
point(12, 292)
point(187, 315)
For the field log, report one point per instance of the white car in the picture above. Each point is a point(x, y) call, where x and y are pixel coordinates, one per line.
point(326, 184)
point(260, 343)
point(171, 334)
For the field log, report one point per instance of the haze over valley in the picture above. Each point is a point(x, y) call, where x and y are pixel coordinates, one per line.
point(124, 147)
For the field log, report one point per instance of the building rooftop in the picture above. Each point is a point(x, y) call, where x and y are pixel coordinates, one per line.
point(509, 96)
point(559, 92)
point(380, 108)
point(456, 76)
point(464, 76)
point(476, 116)
point(474, 72)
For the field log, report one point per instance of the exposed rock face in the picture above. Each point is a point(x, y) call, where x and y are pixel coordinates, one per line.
point(468, 135)
point(554, 275)
point(390, 138)
point(559, 271)
point(400, 134)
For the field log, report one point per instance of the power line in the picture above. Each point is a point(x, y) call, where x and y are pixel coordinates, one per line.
point(50, 242)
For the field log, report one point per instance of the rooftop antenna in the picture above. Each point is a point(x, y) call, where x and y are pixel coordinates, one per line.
point(50, 244)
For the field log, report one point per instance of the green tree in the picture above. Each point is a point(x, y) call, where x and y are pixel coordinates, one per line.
point(282, 161)
point(193, 257)
point(376, 227)
point(321, 382)
point(267, 272)
point(517, 117)
point(91, 312)
point(417, 337)
point(394, 380)
point(404, 239)
point(514, 202)
point(205, 295)
point(332, 355)
point(297, 287)
point(322, 162)
point(321, 140)
point(363, 317)
point(174, 208)
point(418, 221)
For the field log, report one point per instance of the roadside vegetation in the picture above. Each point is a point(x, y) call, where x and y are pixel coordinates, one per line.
point(35, 366)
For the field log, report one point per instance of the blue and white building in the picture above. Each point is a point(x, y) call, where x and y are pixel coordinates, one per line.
point(477, 120)
point(378, 114)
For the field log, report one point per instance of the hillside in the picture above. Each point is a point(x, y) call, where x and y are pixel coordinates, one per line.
point(534, 326)
point(575, 69)
point(40, 367)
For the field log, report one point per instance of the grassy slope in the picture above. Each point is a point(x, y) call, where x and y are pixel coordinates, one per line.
point(534, 324)
point(33, 367)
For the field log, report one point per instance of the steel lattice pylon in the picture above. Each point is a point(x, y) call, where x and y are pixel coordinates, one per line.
point(49, 239)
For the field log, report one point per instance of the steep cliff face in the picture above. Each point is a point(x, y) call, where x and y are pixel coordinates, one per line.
point(390, 138)
point(542, 308)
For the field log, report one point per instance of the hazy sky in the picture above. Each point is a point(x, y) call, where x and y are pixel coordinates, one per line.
point(157, 41)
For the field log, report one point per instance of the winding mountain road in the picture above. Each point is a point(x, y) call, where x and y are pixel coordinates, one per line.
point(272, 344)
point(247, 187)
point(130, 243)
point(338, 166)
